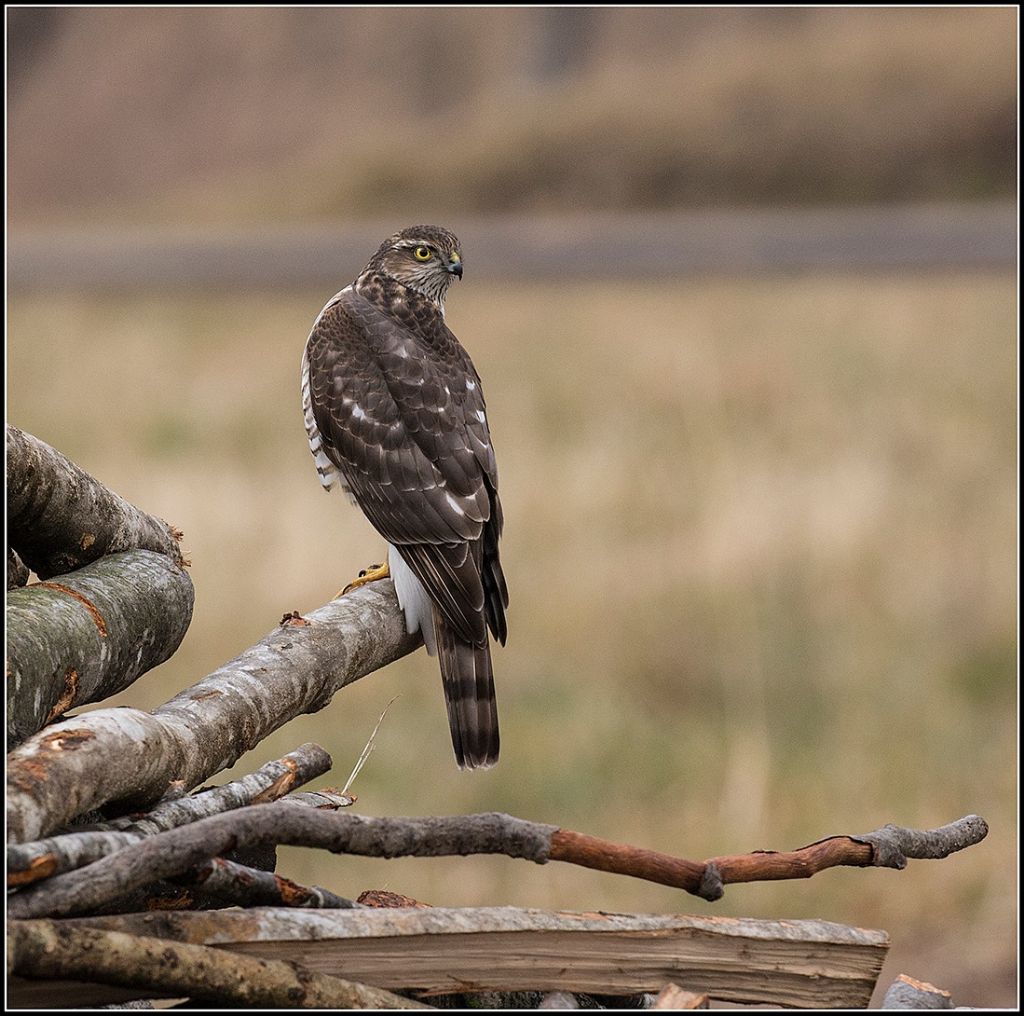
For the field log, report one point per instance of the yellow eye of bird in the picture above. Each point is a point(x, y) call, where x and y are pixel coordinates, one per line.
point(422, 253)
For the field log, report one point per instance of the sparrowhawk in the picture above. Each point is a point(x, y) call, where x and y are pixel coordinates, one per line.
point(395, 412)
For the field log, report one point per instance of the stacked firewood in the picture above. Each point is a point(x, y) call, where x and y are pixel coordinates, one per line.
point(128, 879)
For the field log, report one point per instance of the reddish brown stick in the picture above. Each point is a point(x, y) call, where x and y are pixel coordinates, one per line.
point(620, 858)
point(705, 878)
point(766, 866)
point(888, 847)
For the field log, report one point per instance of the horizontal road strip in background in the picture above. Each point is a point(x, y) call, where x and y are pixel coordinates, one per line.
point(599, 245)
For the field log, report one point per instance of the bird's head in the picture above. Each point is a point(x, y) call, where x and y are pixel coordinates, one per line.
point(424, 258)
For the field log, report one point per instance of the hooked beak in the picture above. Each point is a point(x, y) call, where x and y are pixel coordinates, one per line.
point(455, 266)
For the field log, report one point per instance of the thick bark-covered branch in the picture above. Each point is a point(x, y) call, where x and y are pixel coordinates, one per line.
point(178, 850)
point(30, 862)
point(85, 636)
point(65, 770)
point(60, 518)
point(44, 949)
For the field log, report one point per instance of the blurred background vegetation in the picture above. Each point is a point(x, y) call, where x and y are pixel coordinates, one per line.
point(304, 112)
point(761, 529)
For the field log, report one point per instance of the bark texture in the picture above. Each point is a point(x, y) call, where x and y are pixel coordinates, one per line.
point(65, 770)
point(85, 636)
point(30, 862)
point(42, 949)
point(60, 518)
point(239, 885)
point(179, 850)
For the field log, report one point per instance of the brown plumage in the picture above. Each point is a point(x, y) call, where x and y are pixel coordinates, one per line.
point(394, 408)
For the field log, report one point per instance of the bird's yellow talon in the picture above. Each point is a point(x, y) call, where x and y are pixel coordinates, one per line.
point(371, 574)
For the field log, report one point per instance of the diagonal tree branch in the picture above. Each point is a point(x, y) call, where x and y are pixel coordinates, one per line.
point(65, 770)
point(43, 949)
point(85, 636)
point(30, 862)
point(60, 518)
point(179, 850)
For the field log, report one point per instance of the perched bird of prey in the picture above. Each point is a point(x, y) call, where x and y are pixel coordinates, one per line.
point(395, 413)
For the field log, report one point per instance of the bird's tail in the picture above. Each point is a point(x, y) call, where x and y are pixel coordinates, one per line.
point(469, 694)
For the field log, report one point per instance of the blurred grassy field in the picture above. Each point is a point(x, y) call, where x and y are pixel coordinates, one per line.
point(761, 550)
point(238, 114)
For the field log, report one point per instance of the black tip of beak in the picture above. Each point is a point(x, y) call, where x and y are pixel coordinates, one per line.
point(456, 269)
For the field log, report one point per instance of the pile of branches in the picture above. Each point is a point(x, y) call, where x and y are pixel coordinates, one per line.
point(126, 880)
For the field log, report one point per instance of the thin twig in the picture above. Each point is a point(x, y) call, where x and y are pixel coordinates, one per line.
point(367, 749)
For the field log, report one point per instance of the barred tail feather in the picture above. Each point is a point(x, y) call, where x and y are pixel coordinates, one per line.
point(469, 694)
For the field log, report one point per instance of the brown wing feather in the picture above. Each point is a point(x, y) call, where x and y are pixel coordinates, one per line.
point(409, 434)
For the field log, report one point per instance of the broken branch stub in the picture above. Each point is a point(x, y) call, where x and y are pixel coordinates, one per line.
point(85, 636)
point(907, 993)
point(17, 573)
point(60, 518)
point(65, 770)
